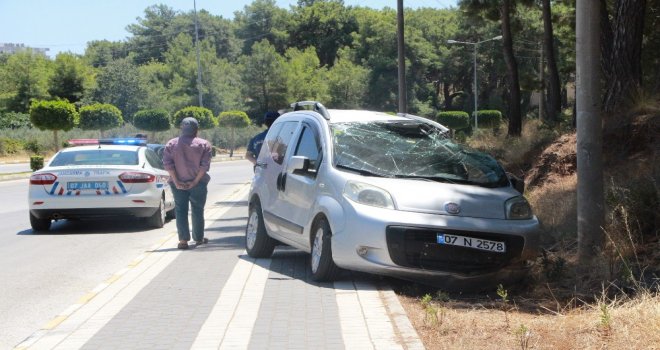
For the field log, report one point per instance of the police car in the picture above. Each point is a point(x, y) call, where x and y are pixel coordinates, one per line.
point(101, 178)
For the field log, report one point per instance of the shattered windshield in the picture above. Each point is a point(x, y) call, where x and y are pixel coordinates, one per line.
point(411, 149)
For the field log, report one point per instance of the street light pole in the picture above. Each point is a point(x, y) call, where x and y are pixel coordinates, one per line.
point(199, 68)
point(475, 89)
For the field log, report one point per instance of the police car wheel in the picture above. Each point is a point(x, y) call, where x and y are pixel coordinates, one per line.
point(39, 224)
point(257, 242)
point(323, 267)
point(157, 220)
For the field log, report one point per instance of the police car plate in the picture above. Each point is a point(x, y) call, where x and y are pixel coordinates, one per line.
point(471, 242)
point(87, 185)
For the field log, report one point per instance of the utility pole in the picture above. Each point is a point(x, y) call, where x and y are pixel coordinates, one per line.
point(199, 65)
point(590, 184)
point(403, 105)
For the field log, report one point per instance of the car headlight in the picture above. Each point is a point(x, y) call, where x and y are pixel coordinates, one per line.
point(368, 195)
point(517, 208)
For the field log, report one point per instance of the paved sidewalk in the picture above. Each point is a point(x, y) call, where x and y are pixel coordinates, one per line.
point(216, 297)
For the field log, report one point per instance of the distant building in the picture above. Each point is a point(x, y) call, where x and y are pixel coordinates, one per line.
point(13, 48)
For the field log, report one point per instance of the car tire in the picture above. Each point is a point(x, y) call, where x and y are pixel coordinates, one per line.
point(171, 214)
point(39, 225)
point(323, 267)
point(157, 220)
point(257, 242)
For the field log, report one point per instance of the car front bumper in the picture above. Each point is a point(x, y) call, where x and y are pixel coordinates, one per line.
point(403, 244)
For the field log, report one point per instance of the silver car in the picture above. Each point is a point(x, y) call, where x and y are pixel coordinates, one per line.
point(386, 194)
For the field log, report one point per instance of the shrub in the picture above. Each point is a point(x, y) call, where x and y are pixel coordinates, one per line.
point(233, 120)
point(53, 115)
point(100, 116)
point(203, 115)
point(10, 146)
point(36, 162)
point(489, 118)
point(454, 120)
point(152, 120)
point(33, 146)
point(13, 120)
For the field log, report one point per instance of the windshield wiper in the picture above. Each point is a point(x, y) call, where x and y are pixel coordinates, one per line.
point(359, 171)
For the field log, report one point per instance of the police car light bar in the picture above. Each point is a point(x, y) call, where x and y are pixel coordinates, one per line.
point(124, 141)
point(82, 142)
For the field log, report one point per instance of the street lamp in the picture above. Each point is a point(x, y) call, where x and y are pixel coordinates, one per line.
point(475, 45)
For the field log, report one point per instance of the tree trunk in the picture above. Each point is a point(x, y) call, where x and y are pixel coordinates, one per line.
point(554, 86)
point(448, 96)
point(57, 141)
point(231, 146)
point(590, 187)
point(515, 117)
point(623, 54)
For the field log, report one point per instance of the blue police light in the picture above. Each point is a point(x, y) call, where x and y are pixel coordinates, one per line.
point(124, 141)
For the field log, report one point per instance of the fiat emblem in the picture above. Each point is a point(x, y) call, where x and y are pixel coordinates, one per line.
point(87, 174)
point(452, 208)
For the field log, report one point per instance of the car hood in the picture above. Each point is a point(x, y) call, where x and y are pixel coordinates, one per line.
point(440, 198)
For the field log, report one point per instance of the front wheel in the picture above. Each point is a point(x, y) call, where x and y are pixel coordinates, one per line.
point(323, 267)
point(157, 220)
point(257, 242)
point(39, 224)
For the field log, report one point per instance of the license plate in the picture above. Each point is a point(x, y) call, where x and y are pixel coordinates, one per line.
point(471, 242)
point(87, 185)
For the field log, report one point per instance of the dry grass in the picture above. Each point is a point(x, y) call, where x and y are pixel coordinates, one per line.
point(483, 324)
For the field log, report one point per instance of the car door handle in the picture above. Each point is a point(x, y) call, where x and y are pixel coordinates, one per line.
point(261, 165)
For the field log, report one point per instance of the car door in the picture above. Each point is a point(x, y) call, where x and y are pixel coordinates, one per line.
point(298, 186)
point(268, 176)
point(162, 176)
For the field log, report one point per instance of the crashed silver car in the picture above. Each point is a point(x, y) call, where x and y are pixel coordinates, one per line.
point(386, 194)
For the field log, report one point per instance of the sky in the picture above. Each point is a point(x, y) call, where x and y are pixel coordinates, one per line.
point(67, 25)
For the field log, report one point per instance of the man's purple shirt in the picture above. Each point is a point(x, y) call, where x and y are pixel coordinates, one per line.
point(187, 156)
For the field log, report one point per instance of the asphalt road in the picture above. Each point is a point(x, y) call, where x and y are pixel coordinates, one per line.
point(12, 168)
point(42, 274)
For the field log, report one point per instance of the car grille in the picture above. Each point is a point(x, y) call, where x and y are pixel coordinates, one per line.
point(417, 247)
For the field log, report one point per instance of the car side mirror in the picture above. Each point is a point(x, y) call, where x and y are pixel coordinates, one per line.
point(517, 183)
point(298, 164)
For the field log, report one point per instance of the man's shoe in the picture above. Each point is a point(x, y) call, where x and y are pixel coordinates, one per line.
point(203, 241)
point(182, 245)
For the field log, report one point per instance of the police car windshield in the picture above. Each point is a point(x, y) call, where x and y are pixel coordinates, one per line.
point(96, 157)
point(414, 150)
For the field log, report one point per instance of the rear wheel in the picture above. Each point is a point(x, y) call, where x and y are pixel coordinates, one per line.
point(257, 242)
point(158, 218)
point(39, 224)
point(323, 267)
point(171, 215)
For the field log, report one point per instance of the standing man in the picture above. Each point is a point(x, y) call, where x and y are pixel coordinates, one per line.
point(254, 146)
point(188, 158)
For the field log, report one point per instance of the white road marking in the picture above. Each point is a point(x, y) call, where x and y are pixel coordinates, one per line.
point(230, 323)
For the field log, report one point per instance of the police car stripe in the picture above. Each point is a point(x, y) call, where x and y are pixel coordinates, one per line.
point(123, 189)
point(52, 190)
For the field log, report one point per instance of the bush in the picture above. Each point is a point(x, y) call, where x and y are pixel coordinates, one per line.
point(13, 120)
point(10, 146)
point(152, 120)
point(489, 118)
point(203, 115)
point(33, 146)
point(100, 116)
point(454, 120)
point(36, 162)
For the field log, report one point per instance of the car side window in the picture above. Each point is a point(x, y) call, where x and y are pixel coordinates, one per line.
point(309, 146)
point(278, 142)
point(153, 159)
